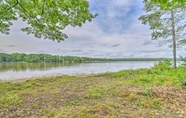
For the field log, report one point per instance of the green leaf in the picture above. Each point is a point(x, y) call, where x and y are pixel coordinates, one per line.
point(45, 19)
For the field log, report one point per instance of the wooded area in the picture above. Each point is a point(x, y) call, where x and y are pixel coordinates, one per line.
point(21, 57)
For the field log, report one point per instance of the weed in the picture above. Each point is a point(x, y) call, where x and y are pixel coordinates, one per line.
point(95, 93)
point(72, 102)
point(150, 102)
point(143, 104)
point(53, 113)
point(35, 106)
point(100, 110)
point(156, 103)
point(10, 99)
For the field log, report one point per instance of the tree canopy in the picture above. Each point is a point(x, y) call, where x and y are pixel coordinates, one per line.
point(45, 18)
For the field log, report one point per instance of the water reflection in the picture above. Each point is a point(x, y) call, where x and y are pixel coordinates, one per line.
point(12, 71)
point(31, 66)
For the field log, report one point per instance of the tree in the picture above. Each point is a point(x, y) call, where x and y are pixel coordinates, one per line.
point(46, 18)
point(168, 24)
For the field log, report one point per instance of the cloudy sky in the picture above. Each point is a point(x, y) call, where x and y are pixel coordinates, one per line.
point(115, 33)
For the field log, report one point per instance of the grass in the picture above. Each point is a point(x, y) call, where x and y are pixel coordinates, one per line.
point(155, 92)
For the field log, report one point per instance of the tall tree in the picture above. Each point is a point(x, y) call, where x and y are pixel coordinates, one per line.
point(46, 18)
point(168, 24)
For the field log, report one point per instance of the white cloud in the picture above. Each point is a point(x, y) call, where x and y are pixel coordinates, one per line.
point(117, 23)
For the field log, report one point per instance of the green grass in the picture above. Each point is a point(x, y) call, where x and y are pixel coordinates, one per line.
point(106, 95)
point(95, 93)
point(10, 99)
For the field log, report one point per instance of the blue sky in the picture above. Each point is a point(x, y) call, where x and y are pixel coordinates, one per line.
point(115, 33)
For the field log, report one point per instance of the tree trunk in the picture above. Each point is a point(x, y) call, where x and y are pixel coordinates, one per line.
point(173, 39)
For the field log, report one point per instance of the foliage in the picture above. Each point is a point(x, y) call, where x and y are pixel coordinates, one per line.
point(166, 4)
point(183, 59)
point(160, 21)
point(163, 65)
point(21, 57)
point(168, 24)
point(162, 74)
point(46, 18)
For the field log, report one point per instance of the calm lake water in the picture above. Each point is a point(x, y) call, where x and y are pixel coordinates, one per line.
point(13, 71)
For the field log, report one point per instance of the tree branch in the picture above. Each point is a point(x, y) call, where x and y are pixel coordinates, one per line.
point(28, 13)
point(43, 7)
point(10, 8)
point(24, 9)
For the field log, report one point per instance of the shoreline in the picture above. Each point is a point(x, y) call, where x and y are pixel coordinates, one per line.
point(127, 93)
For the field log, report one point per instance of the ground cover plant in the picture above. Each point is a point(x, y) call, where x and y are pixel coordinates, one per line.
point(155, 92)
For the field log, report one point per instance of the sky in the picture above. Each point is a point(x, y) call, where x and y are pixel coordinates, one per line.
point(115, 33)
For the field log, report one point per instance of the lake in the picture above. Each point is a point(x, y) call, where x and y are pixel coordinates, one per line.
point(13, 71)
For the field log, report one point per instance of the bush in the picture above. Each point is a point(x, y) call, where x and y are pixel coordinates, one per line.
point(163, 65)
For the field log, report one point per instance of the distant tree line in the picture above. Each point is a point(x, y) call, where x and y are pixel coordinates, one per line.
point(21, 57)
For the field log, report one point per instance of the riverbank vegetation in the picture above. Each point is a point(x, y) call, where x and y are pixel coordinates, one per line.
point(21, 57)
point(155, 92)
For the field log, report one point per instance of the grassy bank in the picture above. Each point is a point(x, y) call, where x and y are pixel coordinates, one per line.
point(156, 92)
